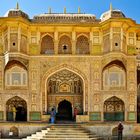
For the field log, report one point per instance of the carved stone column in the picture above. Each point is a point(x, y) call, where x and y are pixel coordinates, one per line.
point(56, 46)
point(56, 41)
point(91, 42)
point(73, 42)
point(73, 47)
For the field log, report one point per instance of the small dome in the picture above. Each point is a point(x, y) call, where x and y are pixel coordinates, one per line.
point(16, 12)
point(112, 13)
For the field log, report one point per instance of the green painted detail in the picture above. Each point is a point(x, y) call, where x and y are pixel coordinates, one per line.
point(95, 116)
point(131, 50)
point(10, 116)
point(114, 116)
point(35, 116)
point(96, 49)
point(34, 49)
point(1, 115)
point(131, 116)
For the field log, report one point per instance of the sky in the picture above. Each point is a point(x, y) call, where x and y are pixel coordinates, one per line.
point(131, 8)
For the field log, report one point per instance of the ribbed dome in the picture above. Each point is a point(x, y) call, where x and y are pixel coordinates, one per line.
point(112, 13)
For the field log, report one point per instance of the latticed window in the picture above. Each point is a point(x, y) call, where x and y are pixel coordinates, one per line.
point(47, 45)
point(114, 78)
point(65, 45)
point(16, 76)
point(82, 45)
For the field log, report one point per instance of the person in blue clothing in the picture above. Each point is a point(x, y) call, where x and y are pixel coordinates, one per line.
point(53, 115)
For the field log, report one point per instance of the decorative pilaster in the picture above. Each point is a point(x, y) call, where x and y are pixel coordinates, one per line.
point(90, 42)
point(38, 39)
point(8, 36)
point(19, 37)
point(28, 42)
point(56, 42)
point(111, 39)
point(73, 42)
point(122, 40)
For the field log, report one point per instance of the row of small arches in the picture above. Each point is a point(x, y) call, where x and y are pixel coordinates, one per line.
point(65, 45)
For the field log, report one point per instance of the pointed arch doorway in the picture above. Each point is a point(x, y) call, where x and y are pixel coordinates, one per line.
point(64, 110)
point(16, 109)
point(64, 93)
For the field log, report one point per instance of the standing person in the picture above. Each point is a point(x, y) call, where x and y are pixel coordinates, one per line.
point(120, 131)
point(75, 113)
point(14, 113)
point(52, 115)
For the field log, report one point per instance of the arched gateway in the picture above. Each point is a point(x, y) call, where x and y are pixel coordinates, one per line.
point(64, 84)
point(65, 92)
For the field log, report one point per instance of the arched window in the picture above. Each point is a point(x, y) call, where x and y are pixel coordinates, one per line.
point(82, 45)
point(113, 78)
point(65, 45)
point(47, 45)
point(16, 76)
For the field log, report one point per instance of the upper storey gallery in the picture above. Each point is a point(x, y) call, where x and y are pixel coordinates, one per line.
point(68, 33)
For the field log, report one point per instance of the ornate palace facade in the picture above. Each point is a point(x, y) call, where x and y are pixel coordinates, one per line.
point(66, 61)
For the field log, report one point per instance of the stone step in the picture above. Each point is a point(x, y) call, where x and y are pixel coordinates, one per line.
point(63, 132)
point(65, 127)
point(69, 139)
point(67, 131)
point(68, 134)
point(30, 138)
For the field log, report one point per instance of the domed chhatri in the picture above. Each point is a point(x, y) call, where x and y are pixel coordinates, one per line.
point(16, 12)
point(112, 13)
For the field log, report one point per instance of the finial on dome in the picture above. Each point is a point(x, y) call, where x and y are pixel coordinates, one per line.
point(17, 6)
point(64, 10)
point(49, 10)
point(79, 10)
point(111, 7)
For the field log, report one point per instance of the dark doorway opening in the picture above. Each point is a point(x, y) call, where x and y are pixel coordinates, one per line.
point(64, 110)
point(16, 109)
point(21, 114)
